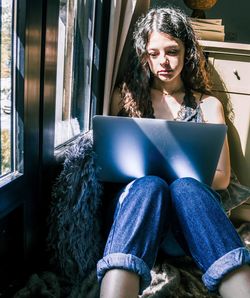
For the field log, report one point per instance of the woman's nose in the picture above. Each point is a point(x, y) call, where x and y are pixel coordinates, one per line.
point(164, 60)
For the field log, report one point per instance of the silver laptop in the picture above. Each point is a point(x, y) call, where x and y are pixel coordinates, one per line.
point(129, 148)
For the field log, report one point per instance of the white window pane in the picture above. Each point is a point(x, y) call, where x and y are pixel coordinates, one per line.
point(74, 67)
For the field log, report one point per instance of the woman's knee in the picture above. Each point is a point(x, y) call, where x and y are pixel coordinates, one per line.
point(185, 182)
point(190, 191)
point(147, 190)
point(186, 185)
point(153, 183)
point(151, 186)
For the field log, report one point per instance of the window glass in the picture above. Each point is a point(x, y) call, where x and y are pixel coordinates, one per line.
point(5, 70)
point(5, 85)
point(74, 68)
point(11, 130)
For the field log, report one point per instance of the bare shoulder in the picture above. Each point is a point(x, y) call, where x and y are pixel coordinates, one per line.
point(115, 102)
point(212, 109)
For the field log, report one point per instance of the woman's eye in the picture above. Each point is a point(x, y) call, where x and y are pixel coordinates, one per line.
point(172, 52)
point(153, 55)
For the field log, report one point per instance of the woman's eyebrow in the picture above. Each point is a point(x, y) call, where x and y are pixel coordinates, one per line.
point(153, 48)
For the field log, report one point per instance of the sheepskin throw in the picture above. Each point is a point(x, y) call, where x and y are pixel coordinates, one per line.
point(74, 233)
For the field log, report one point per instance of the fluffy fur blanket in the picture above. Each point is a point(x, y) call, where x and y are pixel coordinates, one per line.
point(74, 230)
point(75, 242)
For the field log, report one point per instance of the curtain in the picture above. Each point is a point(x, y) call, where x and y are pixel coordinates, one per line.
point(123, 14)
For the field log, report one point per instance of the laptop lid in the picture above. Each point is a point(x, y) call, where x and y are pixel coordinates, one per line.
point(128, 148)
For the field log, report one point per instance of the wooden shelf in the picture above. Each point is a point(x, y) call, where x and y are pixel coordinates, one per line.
point(225, 47)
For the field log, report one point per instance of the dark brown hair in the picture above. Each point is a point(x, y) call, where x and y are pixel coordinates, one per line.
point(135, 88)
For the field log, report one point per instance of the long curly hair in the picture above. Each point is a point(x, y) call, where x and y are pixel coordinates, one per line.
point(137, 81)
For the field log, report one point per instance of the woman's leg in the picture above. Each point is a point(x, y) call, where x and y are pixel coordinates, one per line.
point(132, 245)
point(120, 283)
point(236, 283)
point(211, 238)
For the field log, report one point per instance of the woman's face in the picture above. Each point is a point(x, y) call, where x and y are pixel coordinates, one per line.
point(165, 56)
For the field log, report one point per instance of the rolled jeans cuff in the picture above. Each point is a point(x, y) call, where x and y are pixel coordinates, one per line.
point(227, 263)
point(126, 262)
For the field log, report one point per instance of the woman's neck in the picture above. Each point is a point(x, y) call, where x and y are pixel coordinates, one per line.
point(169, 88)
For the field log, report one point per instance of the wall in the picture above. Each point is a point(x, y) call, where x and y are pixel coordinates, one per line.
point(235, 16)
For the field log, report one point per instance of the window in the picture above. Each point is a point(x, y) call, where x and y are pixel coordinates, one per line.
point(73, 86)
point(10, 124)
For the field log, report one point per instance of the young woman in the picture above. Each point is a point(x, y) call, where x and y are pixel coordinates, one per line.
point(167, 79)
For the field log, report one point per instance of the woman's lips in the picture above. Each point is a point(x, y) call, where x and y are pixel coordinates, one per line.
point(165, 72)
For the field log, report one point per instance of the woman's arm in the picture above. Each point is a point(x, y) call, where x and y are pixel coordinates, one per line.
point(213, 113)
point(115, 102)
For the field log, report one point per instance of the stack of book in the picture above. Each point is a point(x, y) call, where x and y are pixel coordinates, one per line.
point(209, 29)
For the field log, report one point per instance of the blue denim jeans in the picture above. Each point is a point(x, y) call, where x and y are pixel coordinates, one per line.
point(184, 217)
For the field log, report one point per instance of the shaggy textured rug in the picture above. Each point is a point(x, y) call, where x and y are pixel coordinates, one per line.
point(173, 278)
